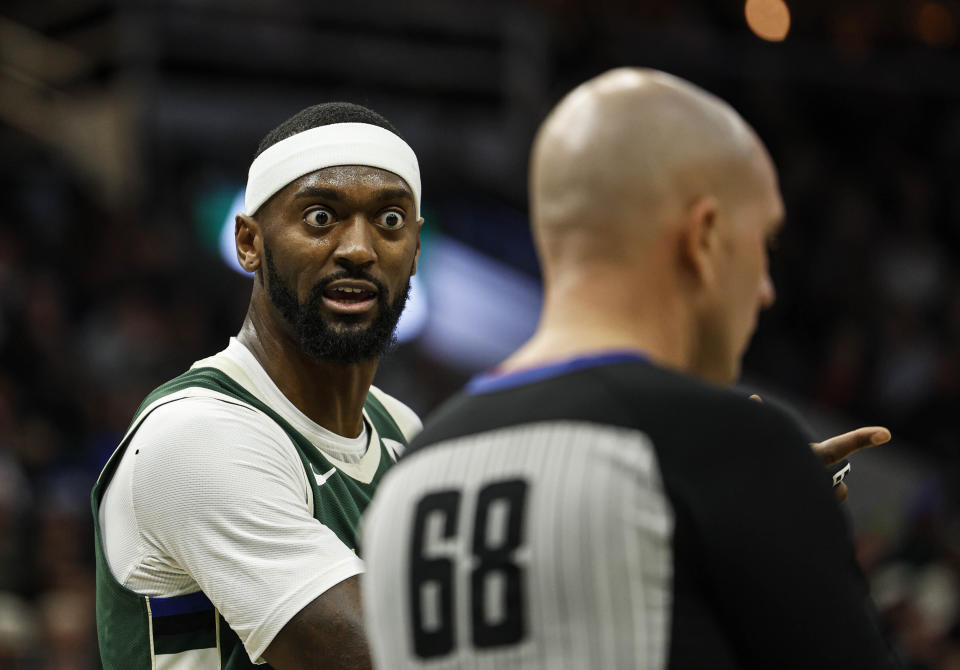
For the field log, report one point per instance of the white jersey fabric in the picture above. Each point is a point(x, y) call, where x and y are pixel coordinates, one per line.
point(211, 495)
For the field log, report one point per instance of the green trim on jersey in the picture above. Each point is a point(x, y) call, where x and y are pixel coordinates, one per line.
point(131, 636)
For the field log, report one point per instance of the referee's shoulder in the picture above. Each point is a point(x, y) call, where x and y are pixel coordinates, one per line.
point(693, 409)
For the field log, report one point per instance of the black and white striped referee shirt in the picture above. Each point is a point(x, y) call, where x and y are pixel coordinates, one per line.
point(606, 513)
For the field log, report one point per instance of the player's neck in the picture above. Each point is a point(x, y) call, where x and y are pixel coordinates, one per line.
point(330, 394)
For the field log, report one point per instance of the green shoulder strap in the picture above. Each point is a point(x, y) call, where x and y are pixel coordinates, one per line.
point(385, 423)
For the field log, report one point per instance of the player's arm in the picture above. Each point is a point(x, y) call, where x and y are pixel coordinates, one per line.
point(223, 493)
point(327, 633)
point(780, 566)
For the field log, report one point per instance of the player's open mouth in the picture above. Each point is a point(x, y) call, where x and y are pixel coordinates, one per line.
point(350, 297)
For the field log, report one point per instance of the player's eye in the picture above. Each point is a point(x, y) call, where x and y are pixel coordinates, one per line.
point(391, 219)
point(319, 217)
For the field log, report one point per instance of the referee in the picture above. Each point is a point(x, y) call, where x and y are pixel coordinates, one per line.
point(601, 500)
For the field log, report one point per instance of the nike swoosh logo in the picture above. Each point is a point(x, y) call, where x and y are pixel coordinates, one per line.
point(322, 479)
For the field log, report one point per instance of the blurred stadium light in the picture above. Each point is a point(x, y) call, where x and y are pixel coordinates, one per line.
point(936, 25)
point(481, 309)
point(226, 245)
point(768, 19)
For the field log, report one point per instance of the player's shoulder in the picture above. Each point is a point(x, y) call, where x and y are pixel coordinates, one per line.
point(191, 426)
point(204, 444)
point(405, 418)
point(191, 407)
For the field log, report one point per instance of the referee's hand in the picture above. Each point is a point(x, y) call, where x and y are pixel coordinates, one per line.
point(837, 448)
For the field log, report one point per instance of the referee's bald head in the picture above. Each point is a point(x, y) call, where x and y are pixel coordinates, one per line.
point(642, 178)
point(627, 148)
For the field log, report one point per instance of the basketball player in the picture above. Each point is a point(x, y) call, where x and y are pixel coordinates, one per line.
point(601, 500)
point(226, 519)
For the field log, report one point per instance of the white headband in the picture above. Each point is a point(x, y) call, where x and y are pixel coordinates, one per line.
point(329, 146)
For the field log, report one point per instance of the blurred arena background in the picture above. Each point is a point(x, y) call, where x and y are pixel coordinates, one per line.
point(126, 129)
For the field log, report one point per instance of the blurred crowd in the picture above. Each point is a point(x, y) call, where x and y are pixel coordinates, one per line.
point(95, 309)
point(99, 303)
point(867, 321)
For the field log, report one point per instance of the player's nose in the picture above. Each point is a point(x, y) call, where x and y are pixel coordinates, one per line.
point(355, 246)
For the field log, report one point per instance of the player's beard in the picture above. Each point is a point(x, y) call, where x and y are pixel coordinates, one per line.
point(349, 343)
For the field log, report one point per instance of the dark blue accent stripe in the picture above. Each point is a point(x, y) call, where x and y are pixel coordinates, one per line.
point(490, 382)
point(192, 602)
point(193, 623)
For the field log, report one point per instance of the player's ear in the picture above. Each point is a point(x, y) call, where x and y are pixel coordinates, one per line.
point(699, 239)
point(416, 256)
point(249, 242)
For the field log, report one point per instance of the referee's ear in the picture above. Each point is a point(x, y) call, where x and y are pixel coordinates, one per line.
point(699, 239)
point(249, 242)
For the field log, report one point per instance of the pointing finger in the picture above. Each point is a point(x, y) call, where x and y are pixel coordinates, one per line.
point(839, 447)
